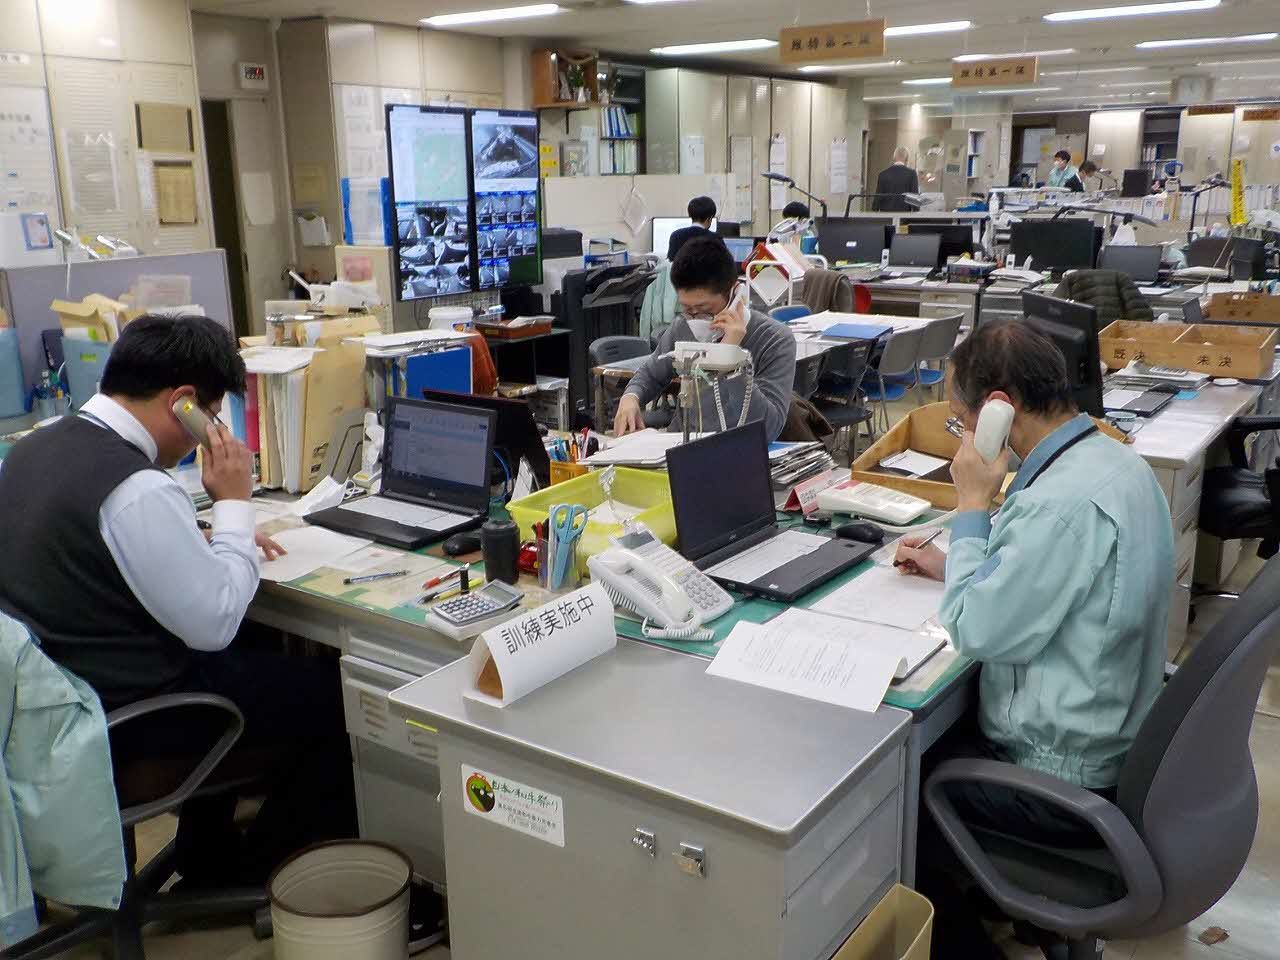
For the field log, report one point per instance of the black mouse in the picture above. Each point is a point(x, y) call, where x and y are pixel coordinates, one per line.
point(862, 531)
point(461, 543)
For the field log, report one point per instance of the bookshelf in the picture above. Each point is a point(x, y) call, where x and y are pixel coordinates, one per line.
point(1159, 138)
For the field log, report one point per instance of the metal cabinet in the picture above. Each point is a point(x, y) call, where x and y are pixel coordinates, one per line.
point(935, 304)
point(1181, 489)
point(1000, 303)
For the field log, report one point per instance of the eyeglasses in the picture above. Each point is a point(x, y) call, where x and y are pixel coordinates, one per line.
point(955, 427)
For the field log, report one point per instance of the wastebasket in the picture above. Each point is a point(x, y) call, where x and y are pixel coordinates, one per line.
point(899, 928)
point(343, 900)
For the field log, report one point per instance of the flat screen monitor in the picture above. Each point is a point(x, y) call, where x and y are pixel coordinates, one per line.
point(1054, 244)
point(430, 192)
point(504, 161)
point(1244, 258)
point(957, 238)
point(1073, 327)
point(851, 241)
point(740, 247)
point(1136, 182)
point(516, 434)
point(1142, 264)
point(664, 227)
point(918, 250)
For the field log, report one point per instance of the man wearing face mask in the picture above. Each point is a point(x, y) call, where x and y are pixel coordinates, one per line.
point(706, 280)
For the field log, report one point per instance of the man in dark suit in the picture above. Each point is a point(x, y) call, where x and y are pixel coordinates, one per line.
point(702, 211)
point(893, 182)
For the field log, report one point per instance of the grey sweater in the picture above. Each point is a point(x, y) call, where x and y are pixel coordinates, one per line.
point(773, 352)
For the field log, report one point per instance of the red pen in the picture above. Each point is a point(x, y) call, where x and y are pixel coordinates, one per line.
point(444, 578)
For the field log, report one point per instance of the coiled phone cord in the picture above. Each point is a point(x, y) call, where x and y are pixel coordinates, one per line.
point(692, 632)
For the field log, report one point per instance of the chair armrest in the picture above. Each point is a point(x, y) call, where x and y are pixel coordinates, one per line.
point(1144, 888)
point(1242, 427)
point(202, 770)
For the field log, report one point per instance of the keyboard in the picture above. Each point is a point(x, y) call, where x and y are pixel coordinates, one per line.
point(406, 514)
point(896, 271)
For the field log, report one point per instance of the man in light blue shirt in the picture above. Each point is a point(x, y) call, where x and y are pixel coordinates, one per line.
point(1062, 595)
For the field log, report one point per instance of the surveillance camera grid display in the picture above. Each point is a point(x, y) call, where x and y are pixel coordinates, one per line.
point(504, 147)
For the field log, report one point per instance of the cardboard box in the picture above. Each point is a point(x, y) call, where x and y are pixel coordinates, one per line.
point(1244, 308)
point(99, 317)
point(1216, 349)
point(900, 927)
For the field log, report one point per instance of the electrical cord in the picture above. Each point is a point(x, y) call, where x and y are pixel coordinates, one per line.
point(507, 487)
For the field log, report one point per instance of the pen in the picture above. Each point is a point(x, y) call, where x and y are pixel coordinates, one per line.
point(443, 578)
point(369, 578)
point(923, 543)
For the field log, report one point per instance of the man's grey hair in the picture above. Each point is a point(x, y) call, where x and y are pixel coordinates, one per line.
point(900, 155)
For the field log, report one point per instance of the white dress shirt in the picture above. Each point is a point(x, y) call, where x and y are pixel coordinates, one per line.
point(197, 591)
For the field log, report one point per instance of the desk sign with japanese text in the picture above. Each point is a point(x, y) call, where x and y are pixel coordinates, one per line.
point(1002, 72)
point(513, 805)
point(832, 41)
point(531, 650)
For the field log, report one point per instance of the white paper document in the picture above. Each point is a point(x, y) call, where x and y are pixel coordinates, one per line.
point(883, 595)
point(913, 463)
point(1115, 398)
point(643, 447)
point(910, 647)
point(277, 359)
point(833, 667)
point(754, 563)
point(310, 548)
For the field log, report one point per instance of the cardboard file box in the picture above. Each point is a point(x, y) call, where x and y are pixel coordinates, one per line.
point(1215, 349)
point(1245, 308)
point(923, 430)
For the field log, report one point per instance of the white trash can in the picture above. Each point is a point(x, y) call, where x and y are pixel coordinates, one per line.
point(343, 900)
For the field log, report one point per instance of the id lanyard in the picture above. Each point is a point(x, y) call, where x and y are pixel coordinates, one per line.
point(1049, 461)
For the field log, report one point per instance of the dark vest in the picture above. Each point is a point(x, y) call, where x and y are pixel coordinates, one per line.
point(57, 575)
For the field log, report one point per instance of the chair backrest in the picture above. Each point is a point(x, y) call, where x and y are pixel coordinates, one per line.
point(939, 337)
point(808, 370)
point(845, 368)
point(608, 350)
point(1188, 783)
point(793, 311)
point(902, 351)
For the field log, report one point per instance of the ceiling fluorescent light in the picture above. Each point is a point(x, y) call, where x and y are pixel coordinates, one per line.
point(490, 16)
point(1072, 73)
point(718, 46)
point(827, 67)
point(646, 2)
point(1006, 91)
point(1238, 63)
point(927, 82)
point(1137, 83)
point(1135, 10)
point(1206, 41)
point(920, 29)
point(896, 96)
point(972, 57)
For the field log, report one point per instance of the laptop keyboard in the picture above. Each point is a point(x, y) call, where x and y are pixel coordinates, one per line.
point(405, 514)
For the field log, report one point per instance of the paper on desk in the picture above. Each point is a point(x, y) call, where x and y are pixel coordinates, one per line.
point(913, 463)
point(645, 447)
point(833, 668)
point(752, 564)
point(277, 359)
point(1155, 291)
point(309, 549)
point(905, 281)
point(366, 558)
point(1116, 398)
point(914, 648)
point(883, 595)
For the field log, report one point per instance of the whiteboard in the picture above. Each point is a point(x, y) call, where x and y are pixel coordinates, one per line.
point(29, 211)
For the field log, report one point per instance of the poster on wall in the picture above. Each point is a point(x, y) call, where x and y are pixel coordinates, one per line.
point(777, 164)
point(693, 154)
point(741, 165)
point(29, 193)
point(839, 165)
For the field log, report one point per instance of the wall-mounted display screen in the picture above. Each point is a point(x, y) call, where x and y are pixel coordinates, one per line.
point(504, 161)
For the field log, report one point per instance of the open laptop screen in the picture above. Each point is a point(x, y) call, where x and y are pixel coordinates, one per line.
point(438, 452)
point(720, 489)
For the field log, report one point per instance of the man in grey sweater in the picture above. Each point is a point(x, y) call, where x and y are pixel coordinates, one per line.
point(704, 276)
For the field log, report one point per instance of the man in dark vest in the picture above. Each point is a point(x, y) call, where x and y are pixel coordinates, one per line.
point(104, 562)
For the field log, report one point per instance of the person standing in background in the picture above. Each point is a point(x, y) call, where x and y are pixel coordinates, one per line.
point(894, 181)
point(1062, 171)
point(702, 211)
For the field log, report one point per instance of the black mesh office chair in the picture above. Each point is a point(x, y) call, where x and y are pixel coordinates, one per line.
point(1185, 815)
point(839, 395)
point(1241, 504)
point(147, 787)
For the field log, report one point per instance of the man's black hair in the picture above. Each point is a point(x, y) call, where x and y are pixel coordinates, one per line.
point(1016, 358)
point(702, 209)
point(704, 263)
point(1088, 168)
point(163, 353)
point(1063, 155)
point(796, 209)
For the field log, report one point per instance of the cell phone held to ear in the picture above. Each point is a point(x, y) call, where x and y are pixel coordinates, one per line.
point(192, 416)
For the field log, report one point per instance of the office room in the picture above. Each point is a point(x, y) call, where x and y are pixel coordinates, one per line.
point(720, 480)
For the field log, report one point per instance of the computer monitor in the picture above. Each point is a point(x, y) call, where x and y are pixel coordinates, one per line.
point(504, 157)
point(726, 229)
point(1065, 244)
point(852, 241)
point(1243, 258)
point(1142, 264)
point(957, 238)
point(664, 227)
point(740, 247)
point(1073, 327)
point(516, 435)
point(919, 250)
point(1136, 182)
point(438, 452)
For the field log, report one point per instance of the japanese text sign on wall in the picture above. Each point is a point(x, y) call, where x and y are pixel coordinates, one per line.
point(1002, 72)
point(832, 41)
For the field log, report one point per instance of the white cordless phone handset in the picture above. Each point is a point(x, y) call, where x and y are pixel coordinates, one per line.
point(992, 433)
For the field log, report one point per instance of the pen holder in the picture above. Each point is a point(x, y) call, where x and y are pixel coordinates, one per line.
point(561, 471)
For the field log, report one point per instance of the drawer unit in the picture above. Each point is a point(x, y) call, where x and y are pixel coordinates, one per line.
point(1181, 487)
point(418, 654)
point(1216, 559)
point(365, 687)
point(1180, 604)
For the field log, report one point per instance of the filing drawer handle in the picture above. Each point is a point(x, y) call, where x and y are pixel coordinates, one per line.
point(1193, 477)
point(841, 880)
point(1191, 522)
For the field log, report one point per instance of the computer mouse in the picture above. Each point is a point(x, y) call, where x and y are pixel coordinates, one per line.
point(862, 531)
point(461, 543)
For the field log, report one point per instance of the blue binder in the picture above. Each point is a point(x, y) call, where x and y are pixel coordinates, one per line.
point(442, 370)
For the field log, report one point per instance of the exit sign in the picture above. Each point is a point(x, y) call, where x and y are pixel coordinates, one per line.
point(253, 76)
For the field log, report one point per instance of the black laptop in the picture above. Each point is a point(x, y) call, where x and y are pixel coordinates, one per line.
point(726, 523)
point(435, 477)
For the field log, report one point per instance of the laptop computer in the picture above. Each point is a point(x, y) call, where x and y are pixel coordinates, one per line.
point(729, 530)
point(435, 477)
point(516, 435)
point(914, 255)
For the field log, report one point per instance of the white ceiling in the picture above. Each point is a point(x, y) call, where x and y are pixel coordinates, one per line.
point(1000, 26)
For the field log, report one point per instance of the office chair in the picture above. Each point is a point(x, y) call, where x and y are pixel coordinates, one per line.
point(1237, 503)
point(1186, 810)
point(935, 347)
point(606, 350)
point(789, 312)
point(839, 395)
point(147, 788)
point(897, 371)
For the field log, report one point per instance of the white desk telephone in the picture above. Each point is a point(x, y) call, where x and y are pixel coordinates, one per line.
point(643, 575)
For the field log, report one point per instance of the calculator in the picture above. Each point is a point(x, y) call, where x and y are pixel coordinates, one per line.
point(469, 608)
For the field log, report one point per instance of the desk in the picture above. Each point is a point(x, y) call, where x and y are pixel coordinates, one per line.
point(931, 299)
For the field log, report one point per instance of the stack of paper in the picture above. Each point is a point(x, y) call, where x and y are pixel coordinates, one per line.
point(384, 345)
point(646, 448)
point(913, 463)
point(309, 549)
point(883, 595)
point(792, 463)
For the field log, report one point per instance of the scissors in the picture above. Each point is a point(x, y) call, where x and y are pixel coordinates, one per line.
point(567, 523)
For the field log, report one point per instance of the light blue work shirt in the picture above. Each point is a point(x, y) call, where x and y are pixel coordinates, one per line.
point(60, 833)
point(1059, 177)
point(1063, 597)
